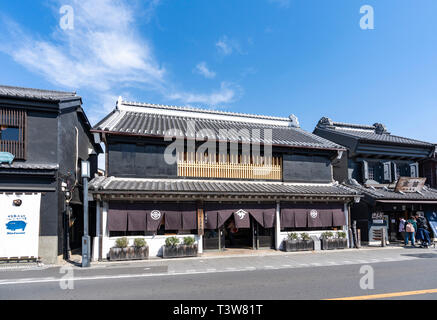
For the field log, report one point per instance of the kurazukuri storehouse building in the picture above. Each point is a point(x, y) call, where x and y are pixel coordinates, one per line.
point(385, 168)
point(44, 135)
point(176, 171)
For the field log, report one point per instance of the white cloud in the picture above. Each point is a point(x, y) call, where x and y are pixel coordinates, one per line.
point(103, 53)
point(227, 93)
point(202, 69)
point(227, 46)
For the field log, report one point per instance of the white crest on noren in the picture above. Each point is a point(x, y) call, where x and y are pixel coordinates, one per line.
point(241, 214)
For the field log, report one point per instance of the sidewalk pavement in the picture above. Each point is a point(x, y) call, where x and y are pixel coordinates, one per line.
point(239, 260)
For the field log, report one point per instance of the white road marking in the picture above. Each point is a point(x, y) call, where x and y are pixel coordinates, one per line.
point(114, 277)
point(363, 261)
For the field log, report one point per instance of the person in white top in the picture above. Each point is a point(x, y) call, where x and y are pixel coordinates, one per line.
point(402, 227)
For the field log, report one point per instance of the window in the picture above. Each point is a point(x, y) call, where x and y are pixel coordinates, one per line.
point(12, 132)
point(371, 172)
point(9, 133)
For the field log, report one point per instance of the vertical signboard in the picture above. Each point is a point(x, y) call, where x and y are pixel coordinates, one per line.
point(19, 225)
point(200, 222)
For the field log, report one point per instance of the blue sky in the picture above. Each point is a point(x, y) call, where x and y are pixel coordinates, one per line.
point(273, 57)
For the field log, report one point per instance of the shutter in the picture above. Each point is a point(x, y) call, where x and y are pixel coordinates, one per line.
point(414, 170)
point(387, 171)
point(365, 167)
point(394, 171)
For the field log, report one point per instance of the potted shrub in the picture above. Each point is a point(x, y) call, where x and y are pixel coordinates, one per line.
point(189, 247)
point(306, 243)
point(172, 248)
point(341, 240)
point(140, 249)
point(328, 241)
point(292, 242)
point(120, 251)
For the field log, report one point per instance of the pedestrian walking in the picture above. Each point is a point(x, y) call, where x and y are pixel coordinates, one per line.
point(410, 229)
point(422, 231)
point(402, 227)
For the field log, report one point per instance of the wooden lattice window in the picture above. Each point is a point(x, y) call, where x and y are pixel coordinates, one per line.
point(12, 132)
point(229, 166)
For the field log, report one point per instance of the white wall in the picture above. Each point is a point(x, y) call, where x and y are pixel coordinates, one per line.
point(155, 243)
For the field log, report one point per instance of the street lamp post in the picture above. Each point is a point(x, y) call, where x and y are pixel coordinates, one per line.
point(85, 170)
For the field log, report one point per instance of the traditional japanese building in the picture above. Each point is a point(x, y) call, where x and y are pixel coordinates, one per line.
point(43, 137)
point(385, 168)
point(428, 169)
point(177, 171)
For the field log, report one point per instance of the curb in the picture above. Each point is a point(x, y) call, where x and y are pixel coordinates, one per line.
point(274, 253)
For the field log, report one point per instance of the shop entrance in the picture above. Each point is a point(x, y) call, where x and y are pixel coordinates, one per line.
point(393, 225)
point(238, 237)
point(230, 237)
point(242, 226)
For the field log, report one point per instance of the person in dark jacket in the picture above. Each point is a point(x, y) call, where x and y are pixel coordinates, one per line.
point(422, 231)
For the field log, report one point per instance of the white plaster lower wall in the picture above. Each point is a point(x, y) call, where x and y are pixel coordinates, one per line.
point(155, 243)
point(318, 233)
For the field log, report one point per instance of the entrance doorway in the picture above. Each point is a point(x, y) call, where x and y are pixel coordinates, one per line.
point(255, 237)
point(229, 237)
point(238, 237)
point(393, 225)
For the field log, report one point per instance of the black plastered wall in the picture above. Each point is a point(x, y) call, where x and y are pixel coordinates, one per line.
point(306, 168)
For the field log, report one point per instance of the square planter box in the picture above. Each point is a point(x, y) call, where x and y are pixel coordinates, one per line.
point(342, 243)
point(179, 251)
point(332, 244)
point(130, 253)
point(298, 245)
point(139, 253)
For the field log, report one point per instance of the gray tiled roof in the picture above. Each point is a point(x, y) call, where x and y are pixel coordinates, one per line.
point(389, 194)
point(38, 94)
point(375, 133)
point(184, 186)
point(157, 125)
point(30, 166)
point(371, 136)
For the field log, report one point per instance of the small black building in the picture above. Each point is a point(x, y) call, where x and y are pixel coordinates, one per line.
point(373, 164)
point(48, 134)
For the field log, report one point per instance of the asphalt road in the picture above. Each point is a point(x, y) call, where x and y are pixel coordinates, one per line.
point(155, 283)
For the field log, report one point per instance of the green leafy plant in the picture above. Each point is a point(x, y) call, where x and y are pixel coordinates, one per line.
point(122, 242)
point(341, 235)
point(327, 235)
point(172, 241)
point(188, 241)
point(292, 236)
point(305, 236)
point(140, 243)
